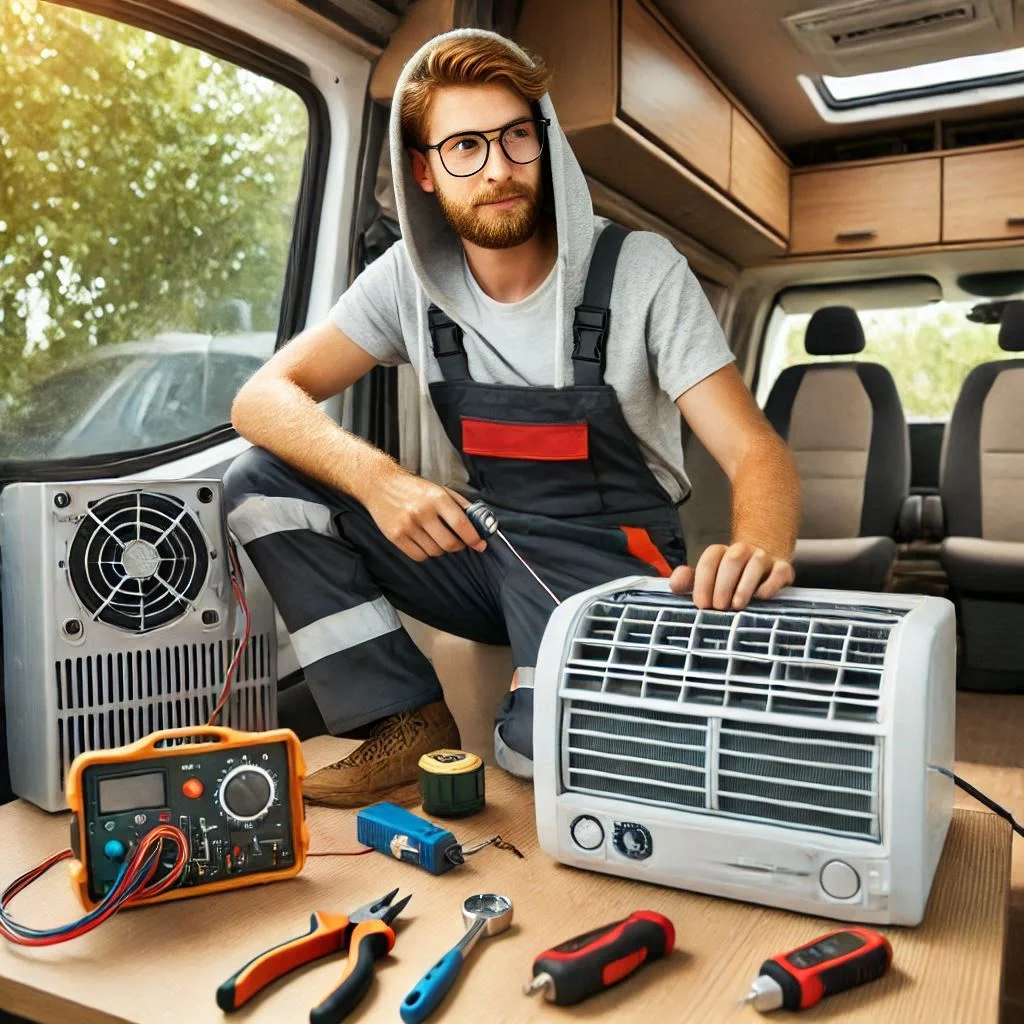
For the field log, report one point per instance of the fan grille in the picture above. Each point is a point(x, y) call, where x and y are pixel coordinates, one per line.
point(138, 560)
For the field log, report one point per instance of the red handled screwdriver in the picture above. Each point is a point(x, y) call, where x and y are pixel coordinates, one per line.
point(590, 963)
point(831, 963)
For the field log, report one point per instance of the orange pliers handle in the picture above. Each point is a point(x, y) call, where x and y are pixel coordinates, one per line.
point(328, 933)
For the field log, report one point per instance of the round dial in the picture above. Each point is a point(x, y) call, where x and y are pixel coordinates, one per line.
point(633, 840)
point(247, 792)
point(587, 832)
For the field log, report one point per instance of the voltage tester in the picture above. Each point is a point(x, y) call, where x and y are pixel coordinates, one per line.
point(832, 963)
point(393, 830)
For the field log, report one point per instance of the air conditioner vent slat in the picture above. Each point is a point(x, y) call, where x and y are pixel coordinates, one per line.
point(761, 771)
point(824, 662)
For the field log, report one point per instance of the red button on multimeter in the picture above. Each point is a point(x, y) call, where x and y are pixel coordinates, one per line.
point(192, 788)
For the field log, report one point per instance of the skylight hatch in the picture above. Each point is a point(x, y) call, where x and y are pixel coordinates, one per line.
point(944, 76)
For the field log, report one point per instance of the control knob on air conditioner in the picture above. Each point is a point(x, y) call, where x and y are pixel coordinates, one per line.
point(247, 792)
point(586, 832)
point(633, 840)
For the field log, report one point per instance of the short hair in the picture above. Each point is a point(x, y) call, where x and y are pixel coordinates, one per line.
point(465, 60)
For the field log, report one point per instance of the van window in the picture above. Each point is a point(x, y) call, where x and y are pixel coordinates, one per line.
point(929, 350)
point(147, 202)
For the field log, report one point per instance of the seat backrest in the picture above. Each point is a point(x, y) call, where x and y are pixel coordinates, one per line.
point(982, 481)
point(845, 426)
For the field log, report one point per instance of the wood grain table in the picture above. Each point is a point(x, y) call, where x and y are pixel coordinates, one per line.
point(162, 964)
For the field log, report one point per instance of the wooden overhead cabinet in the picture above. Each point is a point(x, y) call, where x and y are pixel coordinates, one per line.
point(983, 196)
point(759, 176)
point(648, 121)
point(874, 206)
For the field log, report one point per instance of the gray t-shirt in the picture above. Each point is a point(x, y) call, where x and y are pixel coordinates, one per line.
point(664, 337)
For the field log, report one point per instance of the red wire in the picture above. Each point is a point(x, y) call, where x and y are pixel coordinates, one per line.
point(235, 573)
point(342, 853)
point(147, 853)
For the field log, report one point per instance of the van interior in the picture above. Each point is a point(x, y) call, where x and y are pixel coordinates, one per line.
point(187, 184)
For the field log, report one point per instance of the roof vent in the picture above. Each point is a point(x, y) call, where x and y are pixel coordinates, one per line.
point(874, 35)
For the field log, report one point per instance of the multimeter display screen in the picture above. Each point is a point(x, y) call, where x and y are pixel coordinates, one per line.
point(831, 948)
point(131, 791)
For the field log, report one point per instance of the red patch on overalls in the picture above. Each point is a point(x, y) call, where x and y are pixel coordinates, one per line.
point(555, 442)
point(640, 545)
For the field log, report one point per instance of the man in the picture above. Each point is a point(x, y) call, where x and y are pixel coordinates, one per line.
point(576, 447)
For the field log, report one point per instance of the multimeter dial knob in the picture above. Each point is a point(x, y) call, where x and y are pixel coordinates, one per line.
point(247, 792)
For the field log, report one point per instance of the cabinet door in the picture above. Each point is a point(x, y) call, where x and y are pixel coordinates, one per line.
point(983, 196)
point(759, 177)
point(879, 206)
point(670, 98)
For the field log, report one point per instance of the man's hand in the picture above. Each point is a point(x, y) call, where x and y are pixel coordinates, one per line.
point(423, 519)
point(728, 577)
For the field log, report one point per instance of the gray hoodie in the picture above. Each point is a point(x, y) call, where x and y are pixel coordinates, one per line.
point(664, 337)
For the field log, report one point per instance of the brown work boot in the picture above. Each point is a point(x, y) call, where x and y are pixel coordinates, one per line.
point(384, 766)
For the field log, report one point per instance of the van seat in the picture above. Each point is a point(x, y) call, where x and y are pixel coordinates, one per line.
point(982, 487)
point(845, 426)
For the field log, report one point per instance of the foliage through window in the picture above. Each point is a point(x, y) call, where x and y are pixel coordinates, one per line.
point(147, 200)
point(929, 350)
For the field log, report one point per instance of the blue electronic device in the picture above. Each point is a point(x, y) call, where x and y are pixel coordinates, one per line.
point(406, 836)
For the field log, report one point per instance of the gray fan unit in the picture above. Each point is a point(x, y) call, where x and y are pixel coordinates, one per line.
point(119, 620)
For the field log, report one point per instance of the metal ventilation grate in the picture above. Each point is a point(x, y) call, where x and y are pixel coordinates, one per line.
point(108, 700)
point(801, 778)
point(138, 560)
point(814, 660)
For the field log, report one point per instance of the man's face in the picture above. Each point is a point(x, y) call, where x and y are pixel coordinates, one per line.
point(499, 206)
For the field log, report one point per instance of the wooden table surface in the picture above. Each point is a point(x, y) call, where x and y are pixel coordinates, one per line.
point(162, 964)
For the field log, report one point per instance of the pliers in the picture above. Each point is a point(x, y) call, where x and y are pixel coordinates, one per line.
point(367, 935)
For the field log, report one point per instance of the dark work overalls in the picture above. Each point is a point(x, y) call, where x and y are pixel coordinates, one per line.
point(560, 468)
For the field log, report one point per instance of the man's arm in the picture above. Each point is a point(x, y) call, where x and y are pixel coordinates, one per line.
point(278, 410)
point(765, 496)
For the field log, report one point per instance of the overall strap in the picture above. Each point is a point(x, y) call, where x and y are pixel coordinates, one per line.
point(590, 324)
point(449, 348)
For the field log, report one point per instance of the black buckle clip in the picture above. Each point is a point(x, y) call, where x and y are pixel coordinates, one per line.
point(589, 330)
point(445, 335)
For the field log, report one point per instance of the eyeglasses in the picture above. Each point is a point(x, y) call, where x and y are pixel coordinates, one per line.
point(466, 153)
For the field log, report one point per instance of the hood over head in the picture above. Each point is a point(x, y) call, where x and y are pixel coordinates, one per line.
point(435, 250)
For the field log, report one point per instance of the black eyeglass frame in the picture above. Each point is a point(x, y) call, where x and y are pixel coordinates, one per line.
point(499, 136)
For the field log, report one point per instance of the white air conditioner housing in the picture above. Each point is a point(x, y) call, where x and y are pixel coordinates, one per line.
point(119, 620)
point(785, 754)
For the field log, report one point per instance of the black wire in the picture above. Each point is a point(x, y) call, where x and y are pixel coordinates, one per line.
point(981, 798)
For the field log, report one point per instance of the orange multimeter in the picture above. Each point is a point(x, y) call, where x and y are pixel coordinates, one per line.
point(236, 797)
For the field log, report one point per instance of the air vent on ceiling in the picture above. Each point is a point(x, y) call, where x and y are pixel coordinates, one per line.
point(875, 35)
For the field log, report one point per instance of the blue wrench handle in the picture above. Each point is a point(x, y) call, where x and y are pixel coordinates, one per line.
point(421, 1002)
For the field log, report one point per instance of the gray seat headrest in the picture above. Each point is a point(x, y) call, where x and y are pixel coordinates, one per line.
point(834, 331)
point(1011, 327)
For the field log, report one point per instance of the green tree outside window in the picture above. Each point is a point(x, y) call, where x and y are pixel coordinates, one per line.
point(145, 187)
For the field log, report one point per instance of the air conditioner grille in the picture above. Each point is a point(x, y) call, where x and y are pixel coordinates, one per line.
point(138, 560)
point(824, 781)
point(957, 14)
point(812, 660)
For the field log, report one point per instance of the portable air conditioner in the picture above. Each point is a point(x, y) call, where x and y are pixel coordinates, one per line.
point(119, 620)
point(785, 754)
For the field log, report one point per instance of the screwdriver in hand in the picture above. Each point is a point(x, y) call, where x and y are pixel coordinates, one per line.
point(486, 523)
point(597, 960)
